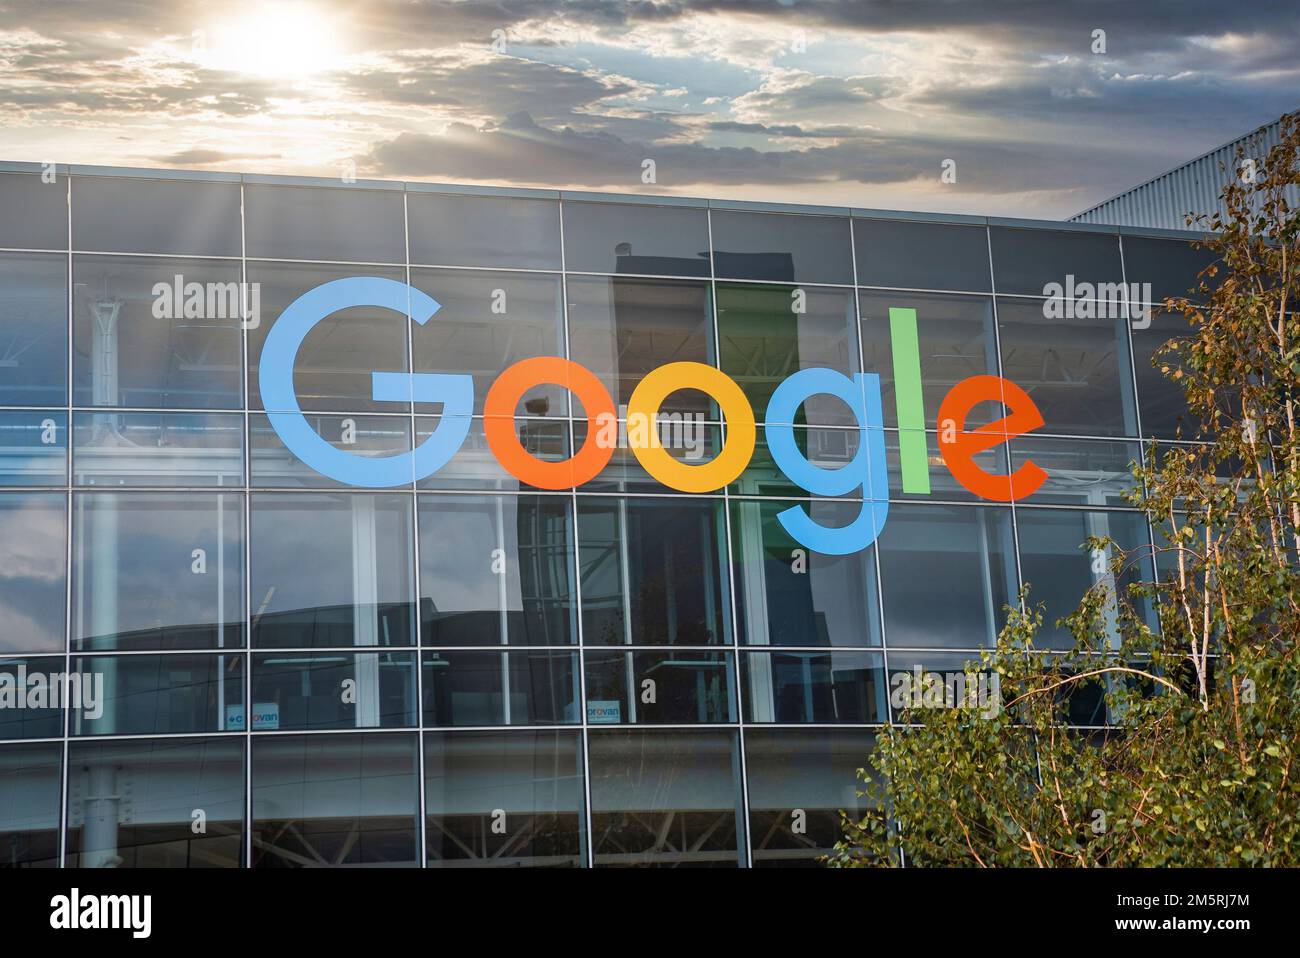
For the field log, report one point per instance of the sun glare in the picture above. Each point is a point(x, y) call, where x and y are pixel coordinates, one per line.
point(290, 41)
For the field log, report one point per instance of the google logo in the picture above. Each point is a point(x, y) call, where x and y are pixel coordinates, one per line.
point(860, 393)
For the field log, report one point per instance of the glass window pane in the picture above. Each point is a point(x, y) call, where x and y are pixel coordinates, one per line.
point(768, 333)
point(686, 437)
point(159, 694)
point(1059, 570)
point(652, 571)
point(130, 215)
point(29, 805)
point(825, 447)
point(488, 322)
point(32, 691)
point(34, 448)
point(468, 688)
point(508, 799)
point(782, 246)
point(956, 340)
point(1162, 400)
point(1170, 266)
point(357, 588)
point(36, 211)
point(156, 333)
point(799, 782)
point(333, 690)
point(667, 799)
point(450, 229)
point(678, 688)
point(1026, 260)
point(790, 687)
point(942, 680)
point(335, 362)
point(917, 255)
point(789, 595)
point(475, 466)
point(946, 572)
point(33, 583)
point(943, 485)
point(33, 329)
point(621, 329)
point(333, 800)
point(1079, 471)
point(497, 570)
point(155, 571)
point(158, 449)
point(1078, 372)
point(635, 238)
point(131, 804)
point(325, 223)
point(274, 466)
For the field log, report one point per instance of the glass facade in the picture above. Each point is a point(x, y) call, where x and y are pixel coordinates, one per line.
point(466, 670)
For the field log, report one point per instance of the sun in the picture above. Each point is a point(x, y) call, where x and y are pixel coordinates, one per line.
point(288, 41)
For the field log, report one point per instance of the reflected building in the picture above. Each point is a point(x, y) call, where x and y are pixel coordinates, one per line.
point(469, 672)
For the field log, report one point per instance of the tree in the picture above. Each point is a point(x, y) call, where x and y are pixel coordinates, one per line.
point(1196, 764)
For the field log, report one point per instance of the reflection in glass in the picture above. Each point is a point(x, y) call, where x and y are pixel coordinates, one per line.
point(327, 223)
point(497, 570)
point(121, 214)
point(789, 595)
point(903, 254)
point(793, 687)
point(455, 229)
point(825, 447)
point(943, 485)
point(158, 449)
point(34, 448)
point(34, 330)
point(622, 329)
point(356, 590)
point(652, 571)
point(33, 577)
point(782, 246)
point(29, 805)
point(1058, 568)
point(956, 339)
point(468, 688)
point(335, 363)
point(31, 692)
point(159, 694)
point(686, 437)
point(666, 799)
point(636, 238)
point(946, 572)
point(507, 799)
point(131, 804)
point(799, 782)
point(1079, 471)
point(333, 690)
point(144, 339)
point(1162, 400)
point(323, 801)
point(157, 571)
point(660, 688)
point(274, 466)
point(1076, 371)
point(488, 322)
point(476, 468)
point(768, 333)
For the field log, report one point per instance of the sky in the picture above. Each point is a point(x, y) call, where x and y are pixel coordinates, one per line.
point(1009, 108)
